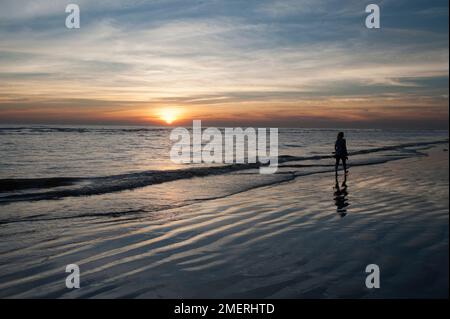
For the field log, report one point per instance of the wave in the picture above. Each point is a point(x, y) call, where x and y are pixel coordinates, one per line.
point(10, 184)
point(61, 187)
point(6, 130)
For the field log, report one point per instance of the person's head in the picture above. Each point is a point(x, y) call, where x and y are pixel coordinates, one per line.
point(340, 135)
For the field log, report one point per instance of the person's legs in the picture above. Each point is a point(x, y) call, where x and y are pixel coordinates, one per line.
point(344, 163)
point(337, 164)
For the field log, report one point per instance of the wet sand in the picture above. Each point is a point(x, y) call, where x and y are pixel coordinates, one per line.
point(289, 240)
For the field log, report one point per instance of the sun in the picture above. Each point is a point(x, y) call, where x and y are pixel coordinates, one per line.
point(169, 115)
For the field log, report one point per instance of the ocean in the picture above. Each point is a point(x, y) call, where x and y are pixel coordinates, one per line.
point(110, 180)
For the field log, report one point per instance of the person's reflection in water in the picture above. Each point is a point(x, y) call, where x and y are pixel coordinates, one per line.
point(340, 196)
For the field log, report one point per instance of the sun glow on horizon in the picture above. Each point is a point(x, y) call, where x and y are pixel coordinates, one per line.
point(169, 115)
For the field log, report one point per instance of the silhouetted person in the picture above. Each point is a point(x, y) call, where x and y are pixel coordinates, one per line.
point(340, 148)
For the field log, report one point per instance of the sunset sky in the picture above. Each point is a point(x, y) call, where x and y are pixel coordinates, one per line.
point(285, 63)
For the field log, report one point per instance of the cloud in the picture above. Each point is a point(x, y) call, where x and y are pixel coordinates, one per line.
point(214, 53)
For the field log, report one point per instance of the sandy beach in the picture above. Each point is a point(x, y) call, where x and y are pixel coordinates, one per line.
point(288, 240)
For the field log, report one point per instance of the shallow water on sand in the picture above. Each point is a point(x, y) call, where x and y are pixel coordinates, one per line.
point(286, 240)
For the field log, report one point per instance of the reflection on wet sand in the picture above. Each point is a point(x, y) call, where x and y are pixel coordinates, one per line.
point(340, 196)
